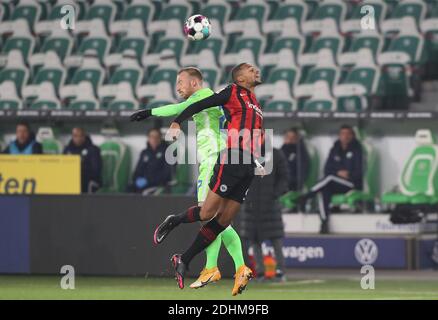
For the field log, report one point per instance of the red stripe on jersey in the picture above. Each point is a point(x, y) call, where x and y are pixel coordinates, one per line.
point(219, 175)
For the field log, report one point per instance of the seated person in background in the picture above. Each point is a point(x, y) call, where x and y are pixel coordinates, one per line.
point(91, 161)
point(24, 142)
point(152, 170)
point(297, 158)
point(343, 172)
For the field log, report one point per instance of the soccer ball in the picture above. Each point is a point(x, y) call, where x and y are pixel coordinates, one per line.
point(197, 27)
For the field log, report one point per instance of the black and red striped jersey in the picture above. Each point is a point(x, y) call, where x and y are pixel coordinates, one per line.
point(244, 117)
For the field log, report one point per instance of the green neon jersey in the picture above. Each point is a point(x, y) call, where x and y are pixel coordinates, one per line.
point(208, 122)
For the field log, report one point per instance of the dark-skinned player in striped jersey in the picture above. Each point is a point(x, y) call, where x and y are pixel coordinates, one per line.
point(235, 168)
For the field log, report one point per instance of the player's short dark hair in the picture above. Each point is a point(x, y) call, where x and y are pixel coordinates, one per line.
point(193, 72)
point(235, 71)
point(347, 127)
point(81, 129)
point(293, 130)
point(154, 129)
point(23, 123)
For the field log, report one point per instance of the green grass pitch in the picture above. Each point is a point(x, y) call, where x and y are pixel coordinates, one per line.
point(48, 287)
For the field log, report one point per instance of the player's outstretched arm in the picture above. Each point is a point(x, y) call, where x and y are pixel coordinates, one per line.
point(217, 99)
point(164, 111)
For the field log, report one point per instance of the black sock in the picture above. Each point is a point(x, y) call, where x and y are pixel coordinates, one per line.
point(205, 237)
point(192, 214)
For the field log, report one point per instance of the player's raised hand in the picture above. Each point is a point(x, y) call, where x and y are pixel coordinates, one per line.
point(140, 115)
point(173, 133)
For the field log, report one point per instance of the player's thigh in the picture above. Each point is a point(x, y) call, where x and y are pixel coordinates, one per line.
point(210, 206)
point(228, 213)
point(240, 189)
point(205, 172)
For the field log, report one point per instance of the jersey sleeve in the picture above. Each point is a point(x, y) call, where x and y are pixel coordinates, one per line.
point(170, 109)
point(176, 109)
point(217, 99)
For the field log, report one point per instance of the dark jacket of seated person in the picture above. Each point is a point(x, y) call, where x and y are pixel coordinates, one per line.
point(349, 159)
point(91, 162)
point(152, 170)
point(24, 143)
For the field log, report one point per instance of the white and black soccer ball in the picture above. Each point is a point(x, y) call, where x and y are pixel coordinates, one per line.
point(197, 27)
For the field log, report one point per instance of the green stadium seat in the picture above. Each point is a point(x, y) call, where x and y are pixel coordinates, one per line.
point(128, 71)
point(124, 98)
point(47, 138)
point(429, 28)
point(21, 39)
point(410, 8)
point(52, 71)
point(160, 93)
point(255, 9)
point(369, 39)
point(104, 10)
point(177, 45)
point(297, 10)
point(325, 69)
point(335, 10)
point(5, 11)
point(176, 9)
point(97, 40)
point(116, 166)
point(405, 50)
point(139, 10)
point(290, 38)
point(284, 68)
point(29, 10)
point(328, 39)
point(60, 42)
point(418, 182)
point(135, 40)
point(321, 99)
point(218, 10)
point(46, 97)
point(84, 97)
point(90, 71)
point(15, 70)
point(364, 74)
point(9, 99)
point(279, 96)
point(251, 38)
point(410, 41)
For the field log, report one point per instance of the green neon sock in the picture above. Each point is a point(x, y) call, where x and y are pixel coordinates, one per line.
point(234, 246)
point(212, 252)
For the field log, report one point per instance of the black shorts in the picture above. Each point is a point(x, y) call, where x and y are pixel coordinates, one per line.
point(230, 180)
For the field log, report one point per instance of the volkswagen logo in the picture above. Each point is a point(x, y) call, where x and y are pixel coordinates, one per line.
point(366, 251)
